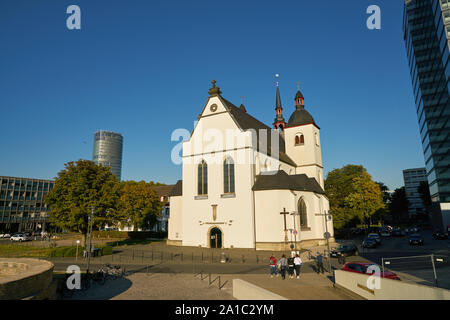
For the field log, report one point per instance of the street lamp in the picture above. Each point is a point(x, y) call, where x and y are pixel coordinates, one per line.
point(76, 256)
point(90, 222)
point(294, 213)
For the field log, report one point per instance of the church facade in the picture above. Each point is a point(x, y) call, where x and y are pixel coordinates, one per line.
point(246, 185)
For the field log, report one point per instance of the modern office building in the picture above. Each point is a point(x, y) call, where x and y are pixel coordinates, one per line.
point(22, 206)
point(426, 34)
point(412, 179)
point(108, 151)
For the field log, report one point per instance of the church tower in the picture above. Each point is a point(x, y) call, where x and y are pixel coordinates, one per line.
point(302, 140)
point(279, 122)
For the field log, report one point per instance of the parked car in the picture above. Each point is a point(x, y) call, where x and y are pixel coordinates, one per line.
point(397, 233)
point(5, 235)
point(416, 239)
point(439, 235)
point(369, 243)
point(374, 236)
point(367, 268)
point(20, 237)
point(346, 249)
point(357, 231)
point(385, 233)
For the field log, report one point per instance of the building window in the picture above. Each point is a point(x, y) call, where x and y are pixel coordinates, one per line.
point(202, 178)
point(316, 136)
point(303, 213)
point(299, 139)
point(228, 176)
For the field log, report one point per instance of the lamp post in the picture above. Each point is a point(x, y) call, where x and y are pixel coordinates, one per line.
point(90, 222)
point(293, 214)
point(327, 235)
point(76, 256)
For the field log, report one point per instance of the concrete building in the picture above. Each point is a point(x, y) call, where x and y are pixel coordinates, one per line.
point(412, 179)
point(108, 150)
point(254, 187)
point(22, 206)
point(164, 195)
point(426, 34)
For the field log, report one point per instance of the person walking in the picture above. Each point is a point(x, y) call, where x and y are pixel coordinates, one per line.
point(273, 266)
point(283, 266)
point(290, 262)
point(319, 260)
point(297, 264)
point(341, 258)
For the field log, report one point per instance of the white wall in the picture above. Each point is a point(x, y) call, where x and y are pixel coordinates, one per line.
point(175, 219)
point(388, 289)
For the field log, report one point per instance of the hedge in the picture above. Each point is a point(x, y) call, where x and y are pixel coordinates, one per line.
point(130, 234)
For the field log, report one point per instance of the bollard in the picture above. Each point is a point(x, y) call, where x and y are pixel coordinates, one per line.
point(142, 256)
point(182, 256)
point(212, 257)
point(202, 256)
point(152, 254)
point(192, 257)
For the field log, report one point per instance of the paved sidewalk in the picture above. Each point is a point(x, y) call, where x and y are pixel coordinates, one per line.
point(309, 286)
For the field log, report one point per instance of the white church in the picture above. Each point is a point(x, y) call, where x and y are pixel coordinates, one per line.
point(246, 185)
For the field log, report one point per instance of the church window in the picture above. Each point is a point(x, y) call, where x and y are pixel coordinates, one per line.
point(317, 138)
point(202, 178)
point(303, 213)
point(299, 139)
point(228, 176)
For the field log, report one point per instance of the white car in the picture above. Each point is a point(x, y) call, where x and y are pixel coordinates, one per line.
point(20, 237)
point(5, 235)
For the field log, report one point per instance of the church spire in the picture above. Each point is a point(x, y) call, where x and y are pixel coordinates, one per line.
point(299, 100)
point(279, 122)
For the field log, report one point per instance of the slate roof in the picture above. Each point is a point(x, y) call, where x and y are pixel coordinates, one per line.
point(177, 190)
point(280, 180)
point(247, 122)
point(163, 190)
point(300, 117)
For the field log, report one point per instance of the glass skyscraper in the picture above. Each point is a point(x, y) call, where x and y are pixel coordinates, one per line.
point(22, 204)
point(108, 151)
point(426, 25)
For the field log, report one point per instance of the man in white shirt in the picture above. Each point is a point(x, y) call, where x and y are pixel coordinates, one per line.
point(297, 264)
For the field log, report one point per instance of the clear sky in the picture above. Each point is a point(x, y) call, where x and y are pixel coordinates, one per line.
point(143, 68)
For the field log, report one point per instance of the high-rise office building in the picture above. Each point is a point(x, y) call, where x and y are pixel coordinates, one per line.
point(426, 26)
point(22, 204)
point(412, 179)
point(108, 150)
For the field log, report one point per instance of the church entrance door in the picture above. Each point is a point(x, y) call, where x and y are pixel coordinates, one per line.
point(215, 236)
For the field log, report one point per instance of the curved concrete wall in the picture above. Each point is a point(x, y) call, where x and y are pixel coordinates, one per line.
point(25, 279)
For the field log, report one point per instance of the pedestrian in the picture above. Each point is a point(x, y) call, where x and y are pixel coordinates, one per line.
point(341, 258)
point(319, 260)
point(283, 266)
point(273, 266)
point(297, 264)
point(290, 262)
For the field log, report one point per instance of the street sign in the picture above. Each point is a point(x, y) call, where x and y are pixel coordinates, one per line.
point(327, 235)
point(295, 232)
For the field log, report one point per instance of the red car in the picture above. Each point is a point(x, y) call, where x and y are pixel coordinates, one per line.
point(362, 267)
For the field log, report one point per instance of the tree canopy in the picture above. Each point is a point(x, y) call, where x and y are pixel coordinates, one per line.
point(139, 205)
point(79, 187)
point(399, 204)
point(353, 195)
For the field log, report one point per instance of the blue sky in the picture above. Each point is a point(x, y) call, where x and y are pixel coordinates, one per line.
point(143, 68)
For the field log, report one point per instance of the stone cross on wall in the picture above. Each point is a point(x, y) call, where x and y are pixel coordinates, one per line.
point(284, 213)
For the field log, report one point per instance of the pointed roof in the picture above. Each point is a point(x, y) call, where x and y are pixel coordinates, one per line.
point(299, 95)
point(278, 99)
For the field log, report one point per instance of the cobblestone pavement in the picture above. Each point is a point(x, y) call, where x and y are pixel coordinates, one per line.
point(156, 286)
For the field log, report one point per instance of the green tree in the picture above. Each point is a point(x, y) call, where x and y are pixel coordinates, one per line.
point(139, 205)
point(399, 204)
point(424, 190)
point(366, 200)
point(79, 187)
point(338, 185)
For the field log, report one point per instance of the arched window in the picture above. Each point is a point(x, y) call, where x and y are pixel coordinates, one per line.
point(202, 178)
point(228, 176)
point(299, 139)
point(303, 213)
